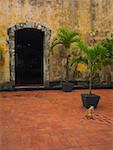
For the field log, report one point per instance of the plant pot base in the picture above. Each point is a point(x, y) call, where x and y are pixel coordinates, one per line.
point(67, 86)
point(90, 100)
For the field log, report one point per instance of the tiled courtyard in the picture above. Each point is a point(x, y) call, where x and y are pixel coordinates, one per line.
point(54, 120)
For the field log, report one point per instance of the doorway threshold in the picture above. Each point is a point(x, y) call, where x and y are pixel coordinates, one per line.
point(35, 87)
point(30, 86)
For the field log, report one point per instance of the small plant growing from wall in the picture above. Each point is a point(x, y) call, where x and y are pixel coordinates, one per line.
point(108, 44)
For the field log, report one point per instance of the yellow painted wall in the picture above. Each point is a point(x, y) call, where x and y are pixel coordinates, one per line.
point(87, 16)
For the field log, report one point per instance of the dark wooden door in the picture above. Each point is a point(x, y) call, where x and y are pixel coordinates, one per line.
point(28, 56)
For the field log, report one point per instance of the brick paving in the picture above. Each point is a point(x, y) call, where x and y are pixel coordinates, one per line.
point(54, 120)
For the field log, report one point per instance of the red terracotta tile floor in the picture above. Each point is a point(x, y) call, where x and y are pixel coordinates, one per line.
point(54, 120)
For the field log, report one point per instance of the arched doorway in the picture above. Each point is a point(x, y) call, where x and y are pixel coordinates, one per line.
point(29, 54)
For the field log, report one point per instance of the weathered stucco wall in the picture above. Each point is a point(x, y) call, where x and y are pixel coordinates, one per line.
point(93, 18)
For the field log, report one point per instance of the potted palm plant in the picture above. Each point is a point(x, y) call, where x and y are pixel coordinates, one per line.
point(94, 58)
point(65, 38)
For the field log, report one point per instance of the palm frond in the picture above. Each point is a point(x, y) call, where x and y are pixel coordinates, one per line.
point(83, 48)
point(108, 44)
point(79, 59)
point(65, 37)
point(54, 43)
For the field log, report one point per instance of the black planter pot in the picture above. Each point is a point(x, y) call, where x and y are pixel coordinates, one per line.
point(67, 86)
point(90, 100)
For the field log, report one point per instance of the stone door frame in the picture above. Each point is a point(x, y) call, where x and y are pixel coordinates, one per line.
point(46, 55)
